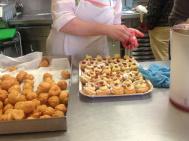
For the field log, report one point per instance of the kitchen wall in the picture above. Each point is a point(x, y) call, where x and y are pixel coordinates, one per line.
point(35, 6)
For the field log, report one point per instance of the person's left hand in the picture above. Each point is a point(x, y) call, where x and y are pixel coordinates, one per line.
point(132, 42)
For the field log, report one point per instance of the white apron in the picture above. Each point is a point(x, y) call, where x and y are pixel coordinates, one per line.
point(61, 44)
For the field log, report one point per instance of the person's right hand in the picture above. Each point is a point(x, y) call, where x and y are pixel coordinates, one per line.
point(118, 32)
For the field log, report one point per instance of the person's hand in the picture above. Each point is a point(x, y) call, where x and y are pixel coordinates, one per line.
point(136, 32)
point(118, 32)
point(132, 42)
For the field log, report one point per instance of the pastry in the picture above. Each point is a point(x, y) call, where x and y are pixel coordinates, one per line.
point(65, 74)
point(43, 87)
point(26, 106)
point(47, 75)
point(31, 95)
point(129, 89)
point(54, 90)
point(11, 68)
point(3, 95)
point(85, 78)
point(53, 101)
point(141, 86)
point(61, 107)
point(43, 98)
point(1, 105)
point(58, 113)
point(15, 97)
point(117, 90)
point(9, 82)
point(21, 76)
point(89, 90)
point(44, 62)
point(104, 90)
point(63, 97)
point(49, 111)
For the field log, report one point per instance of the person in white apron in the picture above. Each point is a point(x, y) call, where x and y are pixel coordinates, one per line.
point(101, 17)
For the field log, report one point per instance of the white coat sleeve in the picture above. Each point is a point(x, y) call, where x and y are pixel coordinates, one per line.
point(118, 11)
point(62, 11)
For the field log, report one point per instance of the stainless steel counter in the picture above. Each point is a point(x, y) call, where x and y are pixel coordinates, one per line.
point(143, 119)
point(25, 20)
point(45, 18)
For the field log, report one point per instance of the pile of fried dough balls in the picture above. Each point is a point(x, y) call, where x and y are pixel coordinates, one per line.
point(18, 100)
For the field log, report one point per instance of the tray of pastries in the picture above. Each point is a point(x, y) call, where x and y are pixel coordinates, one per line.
point(111, 77)
point(35, 100)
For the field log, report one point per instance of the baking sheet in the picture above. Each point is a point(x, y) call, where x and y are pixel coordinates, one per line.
point(39, 125)
point(111, 96)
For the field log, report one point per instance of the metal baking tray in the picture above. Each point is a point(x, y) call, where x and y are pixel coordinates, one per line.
point(111, 96)
point(33, 125)
point(40, 125)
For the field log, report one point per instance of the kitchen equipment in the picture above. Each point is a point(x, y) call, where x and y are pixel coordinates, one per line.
point(7, 11)
point(19, 7)
point(179, 89)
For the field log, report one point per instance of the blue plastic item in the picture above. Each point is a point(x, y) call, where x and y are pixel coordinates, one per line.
point(159, 75)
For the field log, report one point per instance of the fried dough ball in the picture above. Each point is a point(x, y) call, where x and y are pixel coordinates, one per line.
point(1, 105)
point(65, 101)
point(53, 101)
point(29, 77)
point(14, 88)
point(28, 86)
point(65, 74)
point(3, 95)
point(63, 97)
point(44, 62)
point(58, 113)
point(117, 90)
point(43, 97)
point(31, 82)
point(5, 76)
point(41, 108)
point(62, 84)
point(36, 114)
point(26, 106)
point(31, 96)
point(6, 101)
point(21, 76)
point(8, 106)
point(14, 97)
point(54, 90)
point(11, 68)
point(1, 112)
point(49, 80)
point(7, 117)
point(17, 114)
point(61, 107)
point(37, 102)
point(8, 111)
point(47, 75)
point(49, 111)
point(44, 87)
point(45, 116)
point(7, 83)
point(26, 91)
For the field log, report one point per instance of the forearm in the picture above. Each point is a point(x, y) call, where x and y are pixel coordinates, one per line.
point(84, 28)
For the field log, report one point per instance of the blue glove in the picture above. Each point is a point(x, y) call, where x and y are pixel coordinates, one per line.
point(159, 75)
